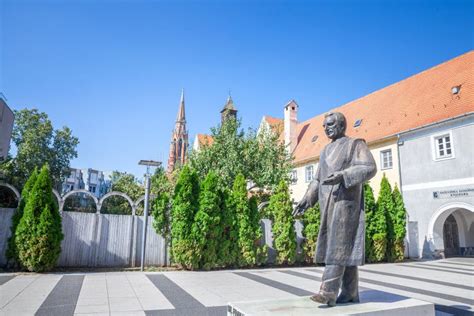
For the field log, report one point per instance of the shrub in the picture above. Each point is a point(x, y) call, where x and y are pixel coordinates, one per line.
point(160, 213)
point(311, 224)
point(39, 233)
point(399, 226)
point(248, 237)
point(12, 252)
point(207, 231)
point(370, 208)
point(283, 228)
point(384, 223)
point(228, 251)
point(184, 209)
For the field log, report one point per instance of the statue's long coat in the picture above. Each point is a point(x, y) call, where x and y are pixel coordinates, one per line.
point(341, 239)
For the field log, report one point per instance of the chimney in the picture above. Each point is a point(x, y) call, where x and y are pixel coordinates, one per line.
point(291, 120)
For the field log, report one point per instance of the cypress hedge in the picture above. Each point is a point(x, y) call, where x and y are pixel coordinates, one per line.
point(207, 229)
point(370, 208)
point(283, 228)
point(39, 233)
point(249, 231)
point(380, 222)
point(399, 226)
point(228, 250)
point(12, 252)
point(311, 224)
point(184, 209)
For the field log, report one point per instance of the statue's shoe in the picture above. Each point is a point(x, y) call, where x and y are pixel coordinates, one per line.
point(343, 298)
point(324, 298)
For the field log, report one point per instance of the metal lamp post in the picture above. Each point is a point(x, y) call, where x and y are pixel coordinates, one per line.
point(148, 164)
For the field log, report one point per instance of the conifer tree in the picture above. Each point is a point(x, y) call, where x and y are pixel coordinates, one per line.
point(185, 207)
point(12, 253)
point(261, 249)
point(228, 250)
point(283, 228)
point(370, 208)
point(160, 212)
point(382, 224)
point(399, 226)
point(311, 224)
point(207, 230)
point(247, 241)
point(39, 234)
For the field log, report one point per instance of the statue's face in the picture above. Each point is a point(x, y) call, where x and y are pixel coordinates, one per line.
point(333, 127)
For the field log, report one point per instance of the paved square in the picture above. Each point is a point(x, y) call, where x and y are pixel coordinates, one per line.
point(448, 283)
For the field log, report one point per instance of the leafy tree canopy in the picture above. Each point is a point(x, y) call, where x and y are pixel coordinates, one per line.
point(38, 143)
point(260, 157)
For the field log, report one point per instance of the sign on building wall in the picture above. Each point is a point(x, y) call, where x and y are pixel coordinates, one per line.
point(449, 194)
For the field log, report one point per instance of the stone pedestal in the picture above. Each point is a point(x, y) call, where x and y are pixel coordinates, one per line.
point(303, 306)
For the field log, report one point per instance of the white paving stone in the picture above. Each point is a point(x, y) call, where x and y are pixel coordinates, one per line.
point(148, 295)
point(31, 298)
point(14, 287)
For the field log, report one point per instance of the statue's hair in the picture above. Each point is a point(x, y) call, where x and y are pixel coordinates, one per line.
point(339, 118)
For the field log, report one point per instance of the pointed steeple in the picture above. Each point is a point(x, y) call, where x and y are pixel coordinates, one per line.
point(181, 112)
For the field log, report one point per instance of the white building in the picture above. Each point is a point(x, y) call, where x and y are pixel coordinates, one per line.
point(95, 181)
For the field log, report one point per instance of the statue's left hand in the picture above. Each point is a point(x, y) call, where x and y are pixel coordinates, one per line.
point(333, 179)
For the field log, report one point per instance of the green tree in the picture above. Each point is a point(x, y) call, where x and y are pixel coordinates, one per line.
point(39, 234)
point(385, 202)
point(228, 251)
point(184, 208)
point(381, 236)
point(399, 226)
point(207, 229)
point(311, 224)
point(260, 157)
point(38, 143)
point(248, 241)
point(12, 253)
point(283, 228)
point(370, 208)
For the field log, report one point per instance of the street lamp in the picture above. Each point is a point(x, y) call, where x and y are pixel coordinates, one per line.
point(148, 164)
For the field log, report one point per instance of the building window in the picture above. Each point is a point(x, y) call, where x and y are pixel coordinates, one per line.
point(386, 159)
point(443, 146)
point(309, 173)
point(92, 189)
point(294, 177)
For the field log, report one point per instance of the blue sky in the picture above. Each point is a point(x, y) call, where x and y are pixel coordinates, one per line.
point(113, 70)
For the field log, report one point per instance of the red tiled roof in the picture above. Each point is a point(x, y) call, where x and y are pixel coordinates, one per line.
point(419, 100)
point(275, 124)
point(205, 140)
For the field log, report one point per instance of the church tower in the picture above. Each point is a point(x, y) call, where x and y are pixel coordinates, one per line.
point(228, 110)
point(179, 139)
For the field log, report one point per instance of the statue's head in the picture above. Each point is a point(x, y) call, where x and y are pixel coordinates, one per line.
point(334, 125)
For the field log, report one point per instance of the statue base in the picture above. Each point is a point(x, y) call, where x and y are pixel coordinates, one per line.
point(303, 306)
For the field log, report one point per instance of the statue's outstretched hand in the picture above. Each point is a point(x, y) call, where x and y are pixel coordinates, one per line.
point(301, 207)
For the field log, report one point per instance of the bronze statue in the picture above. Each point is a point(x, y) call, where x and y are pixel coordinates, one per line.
point(344, 165)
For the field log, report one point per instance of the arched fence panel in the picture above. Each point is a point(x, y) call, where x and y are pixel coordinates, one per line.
point(9, 196)
point(113, 194)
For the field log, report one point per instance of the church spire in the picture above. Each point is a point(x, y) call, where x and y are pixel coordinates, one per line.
point(181, 113)
point(179, 139)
